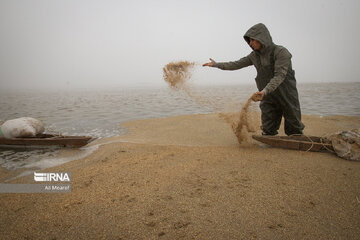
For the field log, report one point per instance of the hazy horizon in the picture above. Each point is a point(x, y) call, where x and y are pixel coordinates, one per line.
point(113, 44)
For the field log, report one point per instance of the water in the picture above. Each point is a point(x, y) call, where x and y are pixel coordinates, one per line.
point(330, 99)
point(100, 113)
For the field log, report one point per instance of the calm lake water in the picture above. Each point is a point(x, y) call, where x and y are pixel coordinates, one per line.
point(99, 113)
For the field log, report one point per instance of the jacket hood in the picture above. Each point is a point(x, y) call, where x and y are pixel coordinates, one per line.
point(260, 33)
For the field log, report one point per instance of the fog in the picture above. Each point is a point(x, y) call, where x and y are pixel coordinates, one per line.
point(71, 44)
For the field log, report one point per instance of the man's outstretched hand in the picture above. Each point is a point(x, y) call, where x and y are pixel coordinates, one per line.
point(209, 64)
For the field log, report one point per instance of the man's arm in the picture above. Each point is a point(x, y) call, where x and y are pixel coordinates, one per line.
point(241, 63)
point(282, 64)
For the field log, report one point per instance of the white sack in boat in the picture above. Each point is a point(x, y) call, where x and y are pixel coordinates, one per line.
point(22, 127)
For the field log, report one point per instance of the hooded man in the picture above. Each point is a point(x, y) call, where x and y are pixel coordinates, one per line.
point(275, 81)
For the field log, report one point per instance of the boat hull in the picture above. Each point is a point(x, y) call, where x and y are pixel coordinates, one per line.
point(47, 140)
point(303, 143)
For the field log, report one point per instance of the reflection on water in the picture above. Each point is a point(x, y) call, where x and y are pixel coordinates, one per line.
point(21, 157)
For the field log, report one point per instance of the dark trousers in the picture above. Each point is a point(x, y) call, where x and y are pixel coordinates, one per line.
point(273, 108)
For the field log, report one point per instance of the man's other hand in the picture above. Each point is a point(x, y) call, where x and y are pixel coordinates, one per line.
point(258, 96)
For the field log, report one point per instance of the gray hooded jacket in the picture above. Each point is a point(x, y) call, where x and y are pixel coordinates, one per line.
point(282, 57)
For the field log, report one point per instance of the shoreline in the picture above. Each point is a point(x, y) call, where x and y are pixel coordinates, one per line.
point(186, 177)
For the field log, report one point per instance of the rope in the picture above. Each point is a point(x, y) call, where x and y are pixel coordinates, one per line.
point(312, 142)
point(321, 139)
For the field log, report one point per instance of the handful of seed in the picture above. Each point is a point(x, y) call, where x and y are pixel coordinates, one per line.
point(176, 74)
point(255, 97)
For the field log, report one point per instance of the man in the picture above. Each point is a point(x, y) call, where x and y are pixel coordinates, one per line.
point(275, 81)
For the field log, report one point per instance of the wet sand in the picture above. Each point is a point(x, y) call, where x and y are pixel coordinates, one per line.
point(186, 177)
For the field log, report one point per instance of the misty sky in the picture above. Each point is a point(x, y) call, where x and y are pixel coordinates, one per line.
point(105, 44)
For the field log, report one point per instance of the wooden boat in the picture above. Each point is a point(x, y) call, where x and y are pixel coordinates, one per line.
point(46, 140)
point(301, 142)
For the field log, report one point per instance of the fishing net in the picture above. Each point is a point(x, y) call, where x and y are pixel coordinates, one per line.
point(347, 144)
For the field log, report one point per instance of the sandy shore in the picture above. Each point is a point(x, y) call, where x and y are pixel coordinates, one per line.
point(186, 177)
